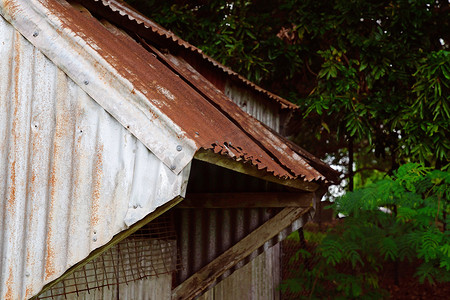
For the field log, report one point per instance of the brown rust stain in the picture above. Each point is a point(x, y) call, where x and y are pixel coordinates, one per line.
point(50, 258)
point(29, 292)
point(12, 190)
point(9, 283)
point(14, 133)
point(35, 146)
point(11, 7)
point(98, 178)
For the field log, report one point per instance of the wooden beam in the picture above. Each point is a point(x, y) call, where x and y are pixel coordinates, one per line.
point(246, 200)
point(116, 239)
point(229, 163)
point(198, 282)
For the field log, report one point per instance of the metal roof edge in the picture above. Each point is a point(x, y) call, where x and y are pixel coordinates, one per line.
point(83, 63)
point(208, 155)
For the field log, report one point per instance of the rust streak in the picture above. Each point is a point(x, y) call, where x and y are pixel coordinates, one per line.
point(14, 133)
point(9, 283)
point(98, 175)
point(49, 260)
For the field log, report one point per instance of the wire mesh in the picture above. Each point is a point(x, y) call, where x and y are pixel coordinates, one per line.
point(151, 251)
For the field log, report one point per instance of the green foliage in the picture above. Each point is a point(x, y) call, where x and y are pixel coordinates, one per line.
point(402, 217)
point(375, 71)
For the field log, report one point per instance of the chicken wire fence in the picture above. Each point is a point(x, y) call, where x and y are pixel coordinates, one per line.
point(150, 251)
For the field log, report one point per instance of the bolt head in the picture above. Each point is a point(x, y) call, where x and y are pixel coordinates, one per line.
point(179, 148)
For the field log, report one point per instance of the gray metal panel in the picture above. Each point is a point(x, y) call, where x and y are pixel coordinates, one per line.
point(263, 111)
point(71, 176)
point(204, 234)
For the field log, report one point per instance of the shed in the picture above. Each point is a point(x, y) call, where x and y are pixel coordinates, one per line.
point(134, 166)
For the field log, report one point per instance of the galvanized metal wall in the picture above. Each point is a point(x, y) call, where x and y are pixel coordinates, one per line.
point(204, 234)
point(71, 176)
point(261, 109)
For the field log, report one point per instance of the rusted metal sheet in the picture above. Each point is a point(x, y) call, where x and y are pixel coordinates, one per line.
point(174, 113)
point(121, 10)
point(71, 176)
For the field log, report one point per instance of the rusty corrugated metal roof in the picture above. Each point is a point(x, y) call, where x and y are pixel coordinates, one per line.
point(125, 12)
point(174, 98)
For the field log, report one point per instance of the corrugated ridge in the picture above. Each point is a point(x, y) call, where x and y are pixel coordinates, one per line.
point(204, 234)
point(261, 110)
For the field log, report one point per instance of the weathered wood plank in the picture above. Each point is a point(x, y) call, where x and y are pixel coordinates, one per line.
point(198, 282)
point(246, 200)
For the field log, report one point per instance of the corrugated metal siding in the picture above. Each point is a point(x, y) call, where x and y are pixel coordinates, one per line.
point(258, 280)
point(263, 111)
point(70, 175)
point(154, 288)
point(204, 234)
